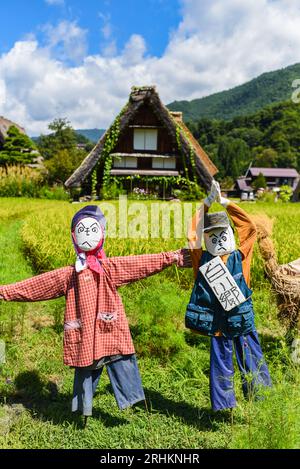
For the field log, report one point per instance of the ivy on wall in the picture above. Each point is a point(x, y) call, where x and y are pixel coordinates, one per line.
point(111, 140)
point(169, 181)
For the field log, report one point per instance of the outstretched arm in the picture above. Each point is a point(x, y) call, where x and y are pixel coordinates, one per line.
point(127, 269)
point(246, 232)
point(245, 227)
point(41, 287)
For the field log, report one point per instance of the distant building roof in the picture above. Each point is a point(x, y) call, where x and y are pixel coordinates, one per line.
point(243, 185)
point(273, 172)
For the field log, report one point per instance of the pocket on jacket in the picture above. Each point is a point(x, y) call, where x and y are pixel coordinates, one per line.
point(107, 321)
point(240, 324)
point(200, 321)
point(73, 336)
point(73, 332)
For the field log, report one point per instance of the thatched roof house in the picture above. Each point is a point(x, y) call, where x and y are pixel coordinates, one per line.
point(146, 141)
point(5, 124)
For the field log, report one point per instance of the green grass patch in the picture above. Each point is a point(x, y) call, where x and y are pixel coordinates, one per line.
point(174, 363)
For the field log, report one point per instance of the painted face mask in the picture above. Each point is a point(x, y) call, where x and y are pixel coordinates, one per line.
point(88, 234)
point(219, 241)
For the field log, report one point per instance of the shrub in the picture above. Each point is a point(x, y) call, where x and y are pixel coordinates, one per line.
point(21, 181)
point(267, 196)
point(53, 193)
point(285, 193)
point(189, 192)
point(18, 181)
point(111, 191)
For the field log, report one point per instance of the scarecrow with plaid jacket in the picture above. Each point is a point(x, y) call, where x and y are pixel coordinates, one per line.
point(96, 331)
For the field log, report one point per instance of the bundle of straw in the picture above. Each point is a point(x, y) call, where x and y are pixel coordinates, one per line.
point(285, 280)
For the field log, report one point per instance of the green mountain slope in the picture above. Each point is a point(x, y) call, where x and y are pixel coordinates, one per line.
point(267, 138)
point(91, 134)
point(269, 88)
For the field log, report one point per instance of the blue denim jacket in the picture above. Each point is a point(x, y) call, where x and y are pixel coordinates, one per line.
point(204, 312)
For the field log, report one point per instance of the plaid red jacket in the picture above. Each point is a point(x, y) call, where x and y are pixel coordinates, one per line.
point(95, 323)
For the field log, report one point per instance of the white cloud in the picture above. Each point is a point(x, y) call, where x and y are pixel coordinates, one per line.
point(2, 92)
point(134, 50)
point(55, 2)
point(218, 44)
point(106, 29)
point(109, 45)
point(67, 40)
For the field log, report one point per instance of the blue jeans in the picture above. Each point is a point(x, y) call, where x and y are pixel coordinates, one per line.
point(125, 380)
point(250, 361)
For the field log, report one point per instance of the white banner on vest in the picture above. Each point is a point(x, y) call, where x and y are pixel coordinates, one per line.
point(222, 283)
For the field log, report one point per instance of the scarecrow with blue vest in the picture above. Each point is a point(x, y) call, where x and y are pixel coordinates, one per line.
point(221, 301)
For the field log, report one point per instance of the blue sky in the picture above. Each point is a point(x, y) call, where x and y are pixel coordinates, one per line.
point(104, 21)
point(79, 58)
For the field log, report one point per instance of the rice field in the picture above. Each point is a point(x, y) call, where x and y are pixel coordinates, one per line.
point(174, 363)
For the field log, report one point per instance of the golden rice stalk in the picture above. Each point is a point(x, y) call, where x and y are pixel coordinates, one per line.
point(285, 285)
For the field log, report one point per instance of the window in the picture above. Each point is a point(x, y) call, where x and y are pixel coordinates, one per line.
point(164, 163)
point(145, 139)
point(125, 162)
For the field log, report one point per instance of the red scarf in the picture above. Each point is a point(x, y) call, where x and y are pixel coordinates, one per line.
point(93, 258)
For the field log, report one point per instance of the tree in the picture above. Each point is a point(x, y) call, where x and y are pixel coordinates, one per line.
point(63, 137)
point(234, 156)
point(259, 182)
point(266, 158)
point(60, 151)
point(18, 148)
point(63, 164)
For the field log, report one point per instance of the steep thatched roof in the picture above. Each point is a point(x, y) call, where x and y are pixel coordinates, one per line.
point(5, 124)
point(138, 97)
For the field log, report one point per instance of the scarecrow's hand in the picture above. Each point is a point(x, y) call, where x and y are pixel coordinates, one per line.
point(225, 202)
point(183, 258)
point(212, 196)
point(219, 198)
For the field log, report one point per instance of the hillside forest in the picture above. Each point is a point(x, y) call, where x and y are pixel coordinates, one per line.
point(268, 138)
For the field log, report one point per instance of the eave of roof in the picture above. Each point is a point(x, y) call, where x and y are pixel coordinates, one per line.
point(143, 172)
point(274, 172)
point(198, 149)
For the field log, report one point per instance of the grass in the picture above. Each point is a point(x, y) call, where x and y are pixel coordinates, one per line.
point(176, 383)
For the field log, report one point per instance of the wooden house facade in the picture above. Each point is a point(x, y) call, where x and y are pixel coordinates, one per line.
point(145, 146)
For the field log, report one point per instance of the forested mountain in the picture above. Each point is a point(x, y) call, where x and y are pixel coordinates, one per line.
point(268, 138)
point(269, 88)
point(91, 134)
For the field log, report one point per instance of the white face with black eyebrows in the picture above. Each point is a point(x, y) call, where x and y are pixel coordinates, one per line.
point(88, 233)
point(219, 241)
